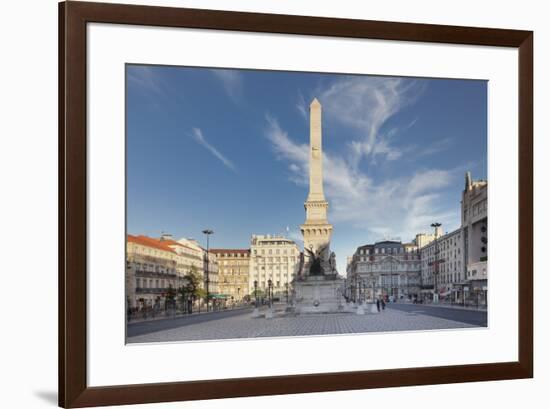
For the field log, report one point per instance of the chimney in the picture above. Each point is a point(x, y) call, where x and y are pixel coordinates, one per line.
point(468, 181)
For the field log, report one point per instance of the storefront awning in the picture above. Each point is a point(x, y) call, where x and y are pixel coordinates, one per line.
point(220, 296)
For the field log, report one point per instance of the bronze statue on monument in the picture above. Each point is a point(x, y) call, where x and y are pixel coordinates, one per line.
point(315, 265)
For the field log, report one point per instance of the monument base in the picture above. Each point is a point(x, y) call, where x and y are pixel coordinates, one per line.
point(318, 294)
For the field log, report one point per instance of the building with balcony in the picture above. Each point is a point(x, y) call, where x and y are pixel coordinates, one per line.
point(386, 268)
point(156, 265)
point(198, 258)
point(274, 258)
point(233, 273)
point(454, 265)
point(475, 228)
point(151, 270)
point(442, 267)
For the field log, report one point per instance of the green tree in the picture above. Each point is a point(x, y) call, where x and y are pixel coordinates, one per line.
point(170, 293)
point(191, 289)
point(259, 292)
point(193, 279)
point(201, 293)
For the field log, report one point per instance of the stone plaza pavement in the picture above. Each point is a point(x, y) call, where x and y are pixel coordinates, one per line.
point(245, 326)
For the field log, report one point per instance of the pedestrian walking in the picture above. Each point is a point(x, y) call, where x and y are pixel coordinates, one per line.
point(378, 304)
point(383, 304)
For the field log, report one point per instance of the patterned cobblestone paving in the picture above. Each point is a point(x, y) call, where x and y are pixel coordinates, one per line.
point(244, 326)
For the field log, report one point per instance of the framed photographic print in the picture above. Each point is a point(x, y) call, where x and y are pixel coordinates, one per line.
point(281, 204)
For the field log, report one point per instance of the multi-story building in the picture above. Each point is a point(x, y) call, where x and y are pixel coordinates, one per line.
point(454, 265)
point(151, 269)
point(423, 239)
point(442, 266)
point(190, 255)
point(385, 268)
point(213, 273)
point(154, 265)
point(474, 225)
point(233, 272)
point(274, 258)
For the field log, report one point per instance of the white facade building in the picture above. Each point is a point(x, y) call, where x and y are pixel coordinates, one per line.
point(274, 258)
point(199, 254)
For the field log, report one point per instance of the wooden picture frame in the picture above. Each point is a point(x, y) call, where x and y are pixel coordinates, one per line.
point(73, 388)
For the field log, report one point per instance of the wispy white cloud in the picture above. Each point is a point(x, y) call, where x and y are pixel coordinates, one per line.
point(196, 134)
point(284, 147)
point(301, 106)
point(145, 78)
point(436, 147)
point(293, 167)
point(365, 104)
point(232, 82)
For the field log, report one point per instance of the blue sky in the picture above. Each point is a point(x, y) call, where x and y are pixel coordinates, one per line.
point(228, 150)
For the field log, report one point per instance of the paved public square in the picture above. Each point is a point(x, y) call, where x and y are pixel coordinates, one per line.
point(235, 324)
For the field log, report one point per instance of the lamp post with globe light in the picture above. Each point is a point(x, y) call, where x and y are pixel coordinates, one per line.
point(207, 232)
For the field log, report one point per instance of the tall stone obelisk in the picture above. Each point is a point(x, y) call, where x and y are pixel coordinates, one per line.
point(318, 287)
point(316, 230)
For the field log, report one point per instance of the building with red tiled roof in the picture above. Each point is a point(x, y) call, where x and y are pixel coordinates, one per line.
point(154, 265)
point(150, 242)
point(151, 272)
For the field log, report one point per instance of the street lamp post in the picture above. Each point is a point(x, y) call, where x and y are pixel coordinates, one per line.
point(361, 289)
point(373, 288)
point(256, 312)
point(286, 291)
point(207, 232)
point(345, 289)
point(373, 308)
point(355, 283)
point(269, 291)
point(392, 288)
point(269, 312)
point(436, 261)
